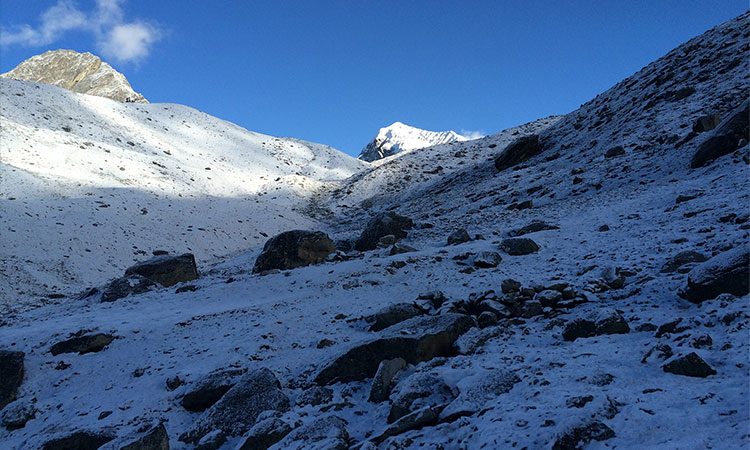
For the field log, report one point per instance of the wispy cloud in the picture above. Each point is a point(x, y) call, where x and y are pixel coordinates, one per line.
point(114, 37)
point(469, 134)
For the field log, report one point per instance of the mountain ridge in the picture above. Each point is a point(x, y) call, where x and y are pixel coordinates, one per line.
point(399, 137)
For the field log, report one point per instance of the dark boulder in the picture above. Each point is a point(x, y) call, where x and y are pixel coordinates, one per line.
point(690, 365)
point(210, 389)
point(415, 340)
point(393, 314)
point(518, 151)
point(11, 375)
point(725, 138)
point(607, 321)
point(166, 270)
point(79, 440)
point(132, 284)
point(458, 237)
point(82, 343)
point(292, 249)
point(381, 225)
point(519, 246)
point(727, 272)
point(236, 412)
point(487, 260)
point(577, 437)
point(614, 151)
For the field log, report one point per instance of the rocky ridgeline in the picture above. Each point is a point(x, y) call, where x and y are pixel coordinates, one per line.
point(78, 72)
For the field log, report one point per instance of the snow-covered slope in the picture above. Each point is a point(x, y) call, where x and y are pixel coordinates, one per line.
point(79, 72)
point(89, 185)
point(617, 219)
point(398, 137)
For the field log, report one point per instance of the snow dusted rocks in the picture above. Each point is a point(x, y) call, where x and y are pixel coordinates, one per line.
point(256, 391)
point(210, 389)
point(518, 152)
point(725, 138)
point(577, 437)
point(727, 272)
point(383, 379)
point(607, 321)
point(458, 237)
point(328, 432)
point(292, 249)
point(415, 340)
point(383, 224)
point(476, 390)
point(417, 391)
point(166, 270)
point(519, 246)
point(152, 437)
point(393, 314)
point(265, 433)
point(11, 375)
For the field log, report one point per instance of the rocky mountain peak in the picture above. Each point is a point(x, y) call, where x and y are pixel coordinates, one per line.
point(84, 73)
point(399, 137)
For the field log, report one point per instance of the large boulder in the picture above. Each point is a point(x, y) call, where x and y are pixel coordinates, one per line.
point(690, 365)
point(381, 225)
point(727, 272)
point(458, 237)
point(416, 392)
point(292, 249)
point(132, 284)
point(328, 432)
point(725, 138)
point(605, 321)
point(11, 375)
point(415, 340)
point(518, 151)
point(209, 389)
point(166, 270)
point(236, 412)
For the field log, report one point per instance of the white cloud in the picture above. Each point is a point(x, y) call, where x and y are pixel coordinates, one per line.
point(113, 36)
point(469, 134)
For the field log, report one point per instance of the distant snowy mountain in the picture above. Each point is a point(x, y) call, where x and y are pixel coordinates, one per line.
point(79, 72)
point(88, 185)
point(399, 137)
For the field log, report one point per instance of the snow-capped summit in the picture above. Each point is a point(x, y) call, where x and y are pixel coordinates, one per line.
point(399, 137)
point(78, 72)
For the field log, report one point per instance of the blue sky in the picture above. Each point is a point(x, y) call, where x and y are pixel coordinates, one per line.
point(336, 71)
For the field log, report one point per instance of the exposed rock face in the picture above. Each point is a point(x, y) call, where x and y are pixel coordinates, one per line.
point(415, 340)
point(381, 225)
point(11, 375)
point(292, 249)
point(725, 138)
point(257, 391)
point(399, 137)
point(78, 72)
point(727, 272)
point(518, 152)
point(167, 270)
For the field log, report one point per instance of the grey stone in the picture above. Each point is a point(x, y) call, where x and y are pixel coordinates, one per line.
point(486, 260)
point(417, 391)
point(328, 432)
point(476, 391)
point(264, 434)
point(128, 285)
point(690, 365)
point(16, 414)
point(209, 389)
point(154, 437)
point(681, 259)
point(458, 237)
point(519, 246)
point(418, 419)
point(314, 396)
point(549, 297)
point(393, 314)
point(533, 227)
point(577, 437)
point(727, 272)
point(381, 225)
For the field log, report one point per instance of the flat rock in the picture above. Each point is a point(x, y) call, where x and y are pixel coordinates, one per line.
point(727, 272)
point(82, 344)
point(690, 365)
point(236, 412)
point(292, 249)
point(166, 270)
point(11, 375)
point(414, 340)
